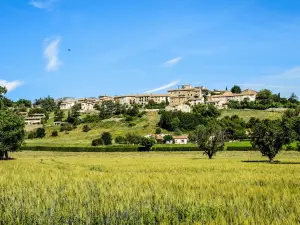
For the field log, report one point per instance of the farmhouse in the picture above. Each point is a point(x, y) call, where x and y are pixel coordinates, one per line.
point(181, 140)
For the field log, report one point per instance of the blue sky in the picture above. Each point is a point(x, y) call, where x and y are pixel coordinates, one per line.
point(133, 46)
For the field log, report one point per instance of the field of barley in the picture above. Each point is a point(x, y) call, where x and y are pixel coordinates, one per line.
point(149, 188)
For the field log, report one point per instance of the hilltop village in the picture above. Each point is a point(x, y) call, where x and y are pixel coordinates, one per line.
point(180, 99)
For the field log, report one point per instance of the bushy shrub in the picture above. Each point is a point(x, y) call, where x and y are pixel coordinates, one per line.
point(129, 118)
point(120, 140)
point(97, 142)
point(133, 138)
point(66, 127)
point(86, 128)
point(289, 148)
point(131, 124)
point(54, 133)
point(31, 135)
point(158, 131)
point(147, 143)
point(40, 132)
point(106, 137)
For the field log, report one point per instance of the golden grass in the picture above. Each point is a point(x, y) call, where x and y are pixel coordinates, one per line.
point(149, 188)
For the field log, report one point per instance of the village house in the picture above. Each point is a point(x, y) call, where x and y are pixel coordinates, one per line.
point(142, 99)
point(181, 140)
point(87, 104)
point(67, 104)
point(221, 100)
point(186, 94)
point(103, 98)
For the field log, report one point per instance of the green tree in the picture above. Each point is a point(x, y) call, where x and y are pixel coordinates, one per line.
point(54, 133)
point(236, 89)
point(168, 138)
point(47, 103)
point(133, 138)
point(58, 115)
point(268, 136)
point(86, 128)
point(265, 96)
point(97, 142)
point(24, 102)
point(11, 132)
point(175, 123)
point(133, 111)
point(120, 140)
point(158, 131)
point(293, 98)
point(106, 137)
point(147, 143)
point(210, 138)
point(40, 132)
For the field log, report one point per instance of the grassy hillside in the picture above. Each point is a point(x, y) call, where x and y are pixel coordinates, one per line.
point(149, 188)
point(247, 114)
point(145, 125)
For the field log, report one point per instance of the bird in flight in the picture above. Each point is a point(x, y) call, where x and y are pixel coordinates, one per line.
point(69, 49)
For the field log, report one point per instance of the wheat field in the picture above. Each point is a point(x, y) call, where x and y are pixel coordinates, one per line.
point(149, 188)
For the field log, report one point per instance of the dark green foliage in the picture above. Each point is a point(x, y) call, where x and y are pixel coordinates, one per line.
point(47, 103)
point(58, 115)
point(210, 138)
point(234, 128)
point(269, 136)
point(168, 138)
point(177, 131)
point(31, 135)
point(86, 128)
point(236, 89)
point(120, 140)
point(91, 118)
point(11, 131)
point(97, 142)
point(131, 124)
point(133, 138)
point(153, 105)
point(133, 111)
point(24, 102)
point(107, 138)
point(147, 143)
point(108, 108)
point(66, 127)
point(54, 133)
point(40, 132)
point(158, 131)
point(252, 122)
point(266, 99)
point(129, 118)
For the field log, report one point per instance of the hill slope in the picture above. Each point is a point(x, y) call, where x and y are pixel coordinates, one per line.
point(145, 125)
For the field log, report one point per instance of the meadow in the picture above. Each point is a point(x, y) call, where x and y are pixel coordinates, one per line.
point(149, 188)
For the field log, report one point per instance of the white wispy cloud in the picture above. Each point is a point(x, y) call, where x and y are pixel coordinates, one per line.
point(51, 53)
point(10, 85)
point(292, 73)
point(45, 4)
point(172, 62)
point(163, 87)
